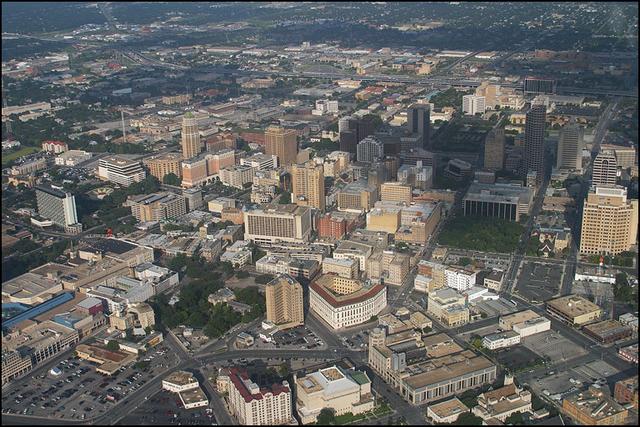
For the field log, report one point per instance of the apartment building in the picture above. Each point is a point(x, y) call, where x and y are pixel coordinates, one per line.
point(162, 165)
point(284, 302)
point(59, 207)
point(459, 278)
point(395, 192)
point(157, 206)
point(282, 143)
point(308, 185)
point(278, 223)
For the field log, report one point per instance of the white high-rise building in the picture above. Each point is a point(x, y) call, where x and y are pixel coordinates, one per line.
point(120, 170)
point(370, 149)
point(472, 104)
point(605, 168)
point(57, 206)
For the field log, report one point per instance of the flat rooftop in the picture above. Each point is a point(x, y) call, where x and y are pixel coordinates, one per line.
point(573, 305)
point(594, 403)
point(193, 395)
point(518, 317)
point(446, 368)
point(181, 378)
point(607, 328)
point(449, 408)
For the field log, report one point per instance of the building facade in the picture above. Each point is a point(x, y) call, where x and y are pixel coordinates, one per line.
point(284, 302)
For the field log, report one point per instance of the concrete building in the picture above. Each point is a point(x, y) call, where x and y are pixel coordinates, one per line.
point(570, 146)
point(605, 168)
point(59, 207)
point(284, 302)
point(308, 185)
point(120, 170)
point(449, 307)
point(369, 149)
point(609, 221)
point(387, 220)
point(357, 196)
point(500, 403)
point(343, 302)
point(417, 176)
point(501, 340)
point(191, 144)
point(493, 280)
point(593, 407)
point(525, 323)
point(473, 104)
point(574, 310)
point(282, 143)
point(494, 149)
point(157, 206)
point(447, 411)
point(278, 223)
point(347, 268)
point(459, 278)
point(251, 404)
point(55, 147)
point(237, 176)
point(162, 165)
point(626, 155)
point(72, 158)
point(504, 201)
point(419, 122)
point(534, 142)
point(187, 387)
point(261, 161)
point(626, 391)
point(344, 391)
point(395, 192)
point(608, 331)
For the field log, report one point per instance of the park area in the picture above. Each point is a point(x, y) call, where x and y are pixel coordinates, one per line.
point(481, 234)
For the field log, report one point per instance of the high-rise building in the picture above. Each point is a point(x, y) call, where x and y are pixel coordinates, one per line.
point(494, 149)
point(59, 207)
point(609, 221)
point(370, 149)
point(536, 85)
point(626, 155)
point(120, 170)
point(570, 148)
point(308, 185)
point(284, 302)
point(278, 223)
point(283, 143)
point(191, 146)
point(157, 206)
point(534, 142)
point(419, 121)
point(354, 131)
point(395, 192)
point(605, 168)
point(472, 104)
point(160, 166)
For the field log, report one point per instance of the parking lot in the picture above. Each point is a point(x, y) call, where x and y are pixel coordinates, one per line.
point(517, 357)
point(79, 392)
point(539, 282)
point(553, 345)
point(165, 408)
point(300, 338)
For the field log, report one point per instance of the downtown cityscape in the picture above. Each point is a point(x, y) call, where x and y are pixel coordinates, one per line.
point(319, 213)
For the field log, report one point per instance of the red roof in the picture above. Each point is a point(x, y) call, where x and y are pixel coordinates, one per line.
point(238, 376)
point(328, 296)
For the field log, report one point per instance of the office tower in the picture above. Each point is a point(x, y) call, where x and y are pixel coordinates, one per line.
point(284, 302)
point(343, 124)
point(605, 168)
point(472, 104)
point(494, 149)
point(626, 155)
point(609, 221)
point(419, 121)
point(120, 170)
point(355, 130)
point(534, 142)
point(278, 223)
point(308, 185)
point(370, 149)
point(283, 143)
point(190, 136)
point(395, 192)
point(570, 148)
point(157, 206)
point(58, 206)
point(160, 166)
point(536, 85)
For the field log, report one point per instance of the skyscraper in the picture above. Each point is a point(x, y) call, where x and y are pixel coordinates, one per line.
point(308, 185)
point(534, 142)
point(570, 148)
point(370, 149)
point(190, 136)
point(284, 302)
point(605, 168)
point(419, 121)
point(609, 221)
point(352, 131)
point(282, 143)
point(59, 207)
point(494, 149)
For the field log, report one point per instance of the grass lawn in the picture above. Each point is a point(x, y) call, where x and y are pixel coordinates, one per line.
point(481, 234)
point(6, 158)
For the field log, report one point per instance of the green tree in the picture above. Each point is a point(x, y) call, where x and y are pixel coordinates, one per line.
point(514, 419)
point(326, 417)
point(285, 198)
point(113, 345)
point(171, 179)
point(241, 274)
point(468, 419)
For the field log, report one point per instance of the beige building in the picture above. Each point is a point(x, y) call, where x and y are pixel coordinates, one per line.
point(157, 206)
point(341, 390)
point(447, 411)
point(395, 192)
point(357, 197)
point(237, 176)
point(283, 143)
point(191, 145)
point(609, 221)
point(347, 267)
point(626, 156)
point(308, 185)
point(278, 223)
point(284, 302)
point(594, 407)
point(574, 310)
point(449, 306)
point(389, 267)
point(160, 166)
point(502, 402)
point(494, 149)
point(251, 404)
point(387, 220)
